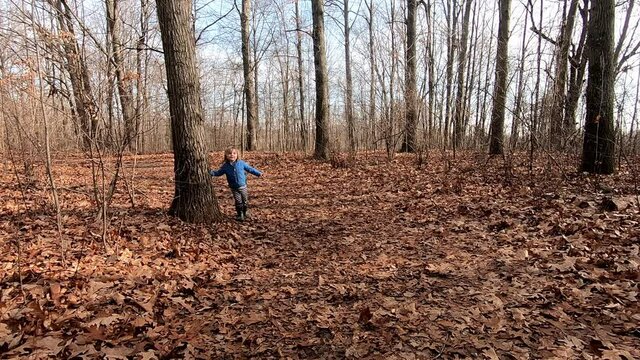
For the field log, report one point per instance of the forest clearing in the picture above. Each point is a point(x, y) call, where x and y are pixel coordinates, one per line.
point(428, 179)
point(448, 258)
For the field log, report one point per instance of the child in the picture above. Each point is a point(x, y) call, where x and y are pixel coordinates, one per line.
point(234, 169)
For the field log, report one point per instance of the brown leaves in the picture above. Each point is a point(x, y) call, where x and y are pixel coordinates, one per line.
point(375, 260)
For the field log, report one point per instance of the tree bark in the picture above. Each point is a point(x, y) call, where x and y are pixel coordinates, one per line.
point(303, 124)
point(460, 111)
point(496, 146)
point(322, 81)
point(349, 86)
point(83, 99)
point(452, 21)
point(411, 91)
point(517, 112)
point(372, 74)
point(123, 84)
point(248, 69)
point(577, 70)
point(599, 139)
point(560, 128)
point(194, 200)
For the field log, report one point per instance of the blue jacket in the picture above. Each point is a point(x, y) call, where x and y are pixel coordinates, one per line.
point(235, 173)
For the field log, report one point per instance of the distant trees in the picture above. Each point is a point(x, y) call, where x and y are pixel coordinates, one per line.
point(194, 199)
point(409, 75)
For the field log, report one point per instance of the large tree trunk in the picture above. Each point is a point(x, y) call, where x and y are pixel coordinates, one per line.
point(194, 199)
point(124, 85)
point(496, 146)
point(599, 138)
point(411, 91)
point(248, 69)
point(322, 81)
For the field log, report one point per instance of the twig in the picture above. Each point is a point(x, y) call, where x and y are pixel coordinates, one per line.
point(443, 346)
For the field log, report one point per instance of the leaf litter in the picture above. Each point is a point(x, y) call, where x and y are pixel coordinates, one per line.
point(377, 260)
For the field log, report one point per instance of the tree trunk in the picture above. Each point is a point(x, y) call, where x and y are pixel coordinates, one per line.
point(248, 69)
point(460, 111)
point(76, 66)
point(372, 75)
point(559, 127)
point(348, 107)
point(452, 23)
point(411, 91)
point(322, 81)
point(123, 84)
point(500, 89)
point(194, 200)
point(141, 82)
point(599, 138)
point(390, 141)
point(576, 74)
point(303, 124)
point(517, 112)
point(431, 87)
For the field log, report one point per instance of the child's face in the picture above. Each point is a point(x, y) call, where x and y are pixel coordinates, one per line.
point(232, 156)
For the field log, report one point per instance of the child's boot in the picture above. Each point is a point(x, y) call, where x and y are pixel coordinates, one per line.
point(240, 213)
point(245, 211)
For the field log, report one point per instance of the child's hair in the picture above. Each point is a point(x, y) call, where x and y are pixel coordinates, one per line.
point(228, 151)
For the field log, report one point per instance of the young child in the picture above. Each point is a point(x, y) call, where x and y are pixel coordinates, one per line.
point(234, 169)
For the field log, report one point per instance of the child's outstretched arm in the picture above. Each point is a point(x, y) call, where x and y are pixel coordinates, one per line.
point(218, 172)
point(252, 171)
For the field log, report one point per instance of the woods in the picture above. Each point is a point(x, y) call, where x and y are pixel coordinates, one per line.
point(442, 179)
point(105, 85)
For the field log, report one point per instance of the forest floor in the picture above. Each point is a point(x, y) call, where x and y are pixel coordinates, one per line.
point(451, 258)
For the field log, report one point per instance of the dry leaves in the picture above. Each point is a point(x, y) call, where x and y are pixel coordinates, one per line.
point(372, 260)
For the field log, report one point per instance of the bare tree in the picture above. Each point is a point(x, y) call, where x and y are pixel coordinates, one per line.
point(452, 21)
point(411, 91)
point(123, 83)
point(460, 111)
point(500, 86)
point(348, 106)
point(598, 152)
point(372, 69)
point(47, 145)
point(303, 125)
point(322, 81)
point(83, 98)
point(518, 111)
point(559, 128)
point(248, 71)
point(194, 199)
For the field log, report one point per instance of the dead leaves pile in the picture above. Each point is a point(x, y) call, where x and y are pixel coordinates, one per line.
point(372, 260)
